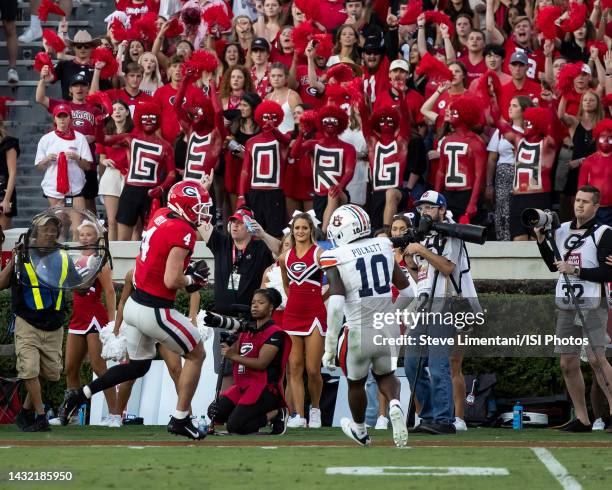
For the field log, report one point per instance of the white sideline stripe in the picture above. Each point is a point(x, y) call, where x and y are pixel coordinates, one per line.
point(417, 471)
point(556, 469)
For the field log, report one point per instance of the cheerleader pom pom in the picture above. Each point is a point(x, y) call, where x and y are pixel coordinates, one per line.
point(205, 331)
point(114, 348)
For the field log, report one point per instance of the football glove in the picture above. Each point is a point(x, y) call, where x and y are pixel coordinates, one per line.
point(198, 271)
point(329, 360)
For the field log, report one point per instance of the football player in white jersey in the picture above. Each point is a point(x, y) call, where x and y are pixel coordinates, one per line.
point(360, 272)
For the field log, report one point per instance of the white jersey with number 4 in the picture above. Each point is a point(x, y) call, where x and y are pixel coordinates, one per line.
point(366, 270)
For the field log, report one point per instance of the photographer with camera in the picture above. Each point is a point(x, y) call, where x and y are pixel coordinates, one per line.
point(259, 355)
point(578, 250)
point(440, 265)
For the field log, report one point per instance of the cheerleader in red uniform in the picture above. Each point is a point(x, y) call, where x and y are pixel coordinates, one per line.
point(305, 317)
point(89, 316)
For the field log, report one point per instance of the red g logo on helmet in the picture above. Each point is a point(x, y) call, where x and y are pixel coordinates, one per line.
point(191, 201)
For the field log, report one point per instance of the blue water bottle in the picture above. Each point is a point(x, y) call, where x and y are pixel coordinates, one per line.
point(517, 416)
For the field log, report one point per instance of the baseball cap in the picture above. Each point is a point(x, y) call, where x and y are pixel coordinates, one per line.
point(79, 78)
point(61, 109)
point(399, 65)
point(519, 57)
point(241, 213)
point(260, 43)
point(374, 44)
point(432, 197)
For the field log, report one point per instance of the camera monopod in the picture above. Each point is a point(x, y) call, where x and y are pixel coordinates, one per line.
point(550, 239)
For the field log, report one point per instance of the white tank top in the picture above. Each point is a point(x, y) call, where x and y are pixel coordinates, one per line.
point(288, 123)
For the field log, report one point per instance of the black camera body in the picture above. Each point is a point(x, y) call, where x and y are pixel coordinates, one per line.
point(467, 233)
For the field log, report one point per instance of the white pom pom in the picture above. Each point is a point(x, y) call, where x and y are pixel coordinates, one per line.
point(114, 348)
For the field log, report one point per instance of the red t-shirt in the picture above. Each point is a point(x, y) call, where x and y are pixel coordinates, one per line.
point(121, 94)
point(530, 89)
point(170, 127)
point(536, 59)
point(307, 93)
point(164, 233)
point(474, 71)
point(83, 116)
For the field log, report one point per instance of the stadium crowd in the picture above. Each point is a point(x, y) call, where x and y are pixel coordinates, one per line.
point(282, 107)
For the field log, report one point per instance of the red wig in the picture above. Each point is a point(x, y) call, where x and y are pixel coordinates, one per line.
point(384, 111)
point(539, 118)
point(603, 126)
point(336, 112)
point(469, 109)
point(566, 76)
point(308, 121)
point(340, 72)
point(146, 109)
point(269, 107)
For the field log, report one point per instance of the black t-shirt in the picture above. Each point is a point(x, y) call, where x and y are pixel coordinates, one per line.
point(8, 143)
point(230, 263)
point(66, 69)
point(277, 339)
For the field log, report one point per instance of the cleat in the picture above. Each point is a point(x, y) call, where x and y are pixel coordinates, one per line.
point(72, 400)
point(184, 427)
point(41, 424)
point(279, 423)
point(349, 429)
point(398, 422)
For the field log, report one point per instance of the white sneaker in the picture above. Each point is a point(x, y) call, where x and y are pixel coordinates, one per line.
point(398, 422)
point(382, 423)
point(74, 420)
point(314, 421)
point(115, 421)
point(417, 420)
point(296, 422)
point(349, 429)
point(31, 34)
point(13, 76)
point(599, 424)
point(460, 424)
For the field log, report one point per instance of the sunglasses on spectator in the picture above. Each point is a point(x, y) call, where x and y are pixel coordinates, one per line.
point(82, 46)
point(330, 120)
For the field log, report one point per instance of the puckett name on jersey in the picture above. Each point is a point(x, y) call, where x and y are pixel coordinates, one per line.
point(368, 249)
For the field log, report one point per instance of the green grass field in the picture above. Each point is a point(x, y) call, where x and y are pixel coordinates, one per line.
point(141, 457)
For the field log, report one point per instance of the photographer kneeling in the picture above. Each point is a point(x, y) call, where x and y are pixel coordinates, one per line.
point(260, 357)
point(583, 246)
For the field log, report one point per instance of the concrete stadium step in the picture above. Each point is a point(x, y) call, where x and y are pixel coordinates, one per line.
point(55, 24)
point(26, 51)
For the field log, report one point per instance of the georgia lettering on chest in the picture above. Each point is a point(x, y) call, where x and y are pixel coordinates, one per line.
point(327, 167)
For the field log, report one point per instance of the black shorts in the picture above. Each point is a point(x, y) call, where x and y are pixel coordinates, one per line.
point(3, 182)
point(269, 210)
point(90, 191)
point(8, 10)
point(134, 203)
point(319, 203)
point(378, 200)
point(520, 202)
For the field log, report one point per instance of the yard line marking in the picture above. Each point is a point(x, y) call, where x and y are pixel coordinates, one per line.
point(556, 469)
point(417, 471)
point(269, 447)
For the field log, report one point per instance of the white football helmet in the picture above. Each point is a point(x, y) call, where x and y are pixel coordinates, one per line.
point(347, 224)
